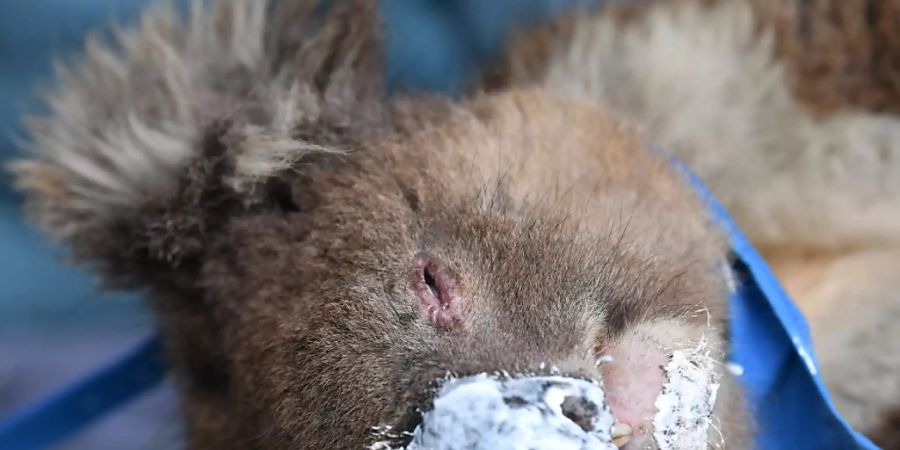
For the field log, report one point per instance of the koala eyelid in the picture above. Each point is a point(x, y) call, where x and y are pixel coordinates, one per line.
point(437, 292)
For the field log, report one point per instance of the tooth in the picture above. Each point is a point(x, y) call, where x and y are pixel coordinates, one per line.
point(621, 441)
point(621, 434)
point(621, 429)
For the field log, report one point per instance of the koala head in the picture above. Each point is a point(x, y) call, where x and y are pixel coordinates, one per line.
point(321, 254)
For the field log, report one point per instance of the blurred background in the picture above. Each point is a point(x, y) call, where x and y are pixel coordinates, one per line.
point(55, 325)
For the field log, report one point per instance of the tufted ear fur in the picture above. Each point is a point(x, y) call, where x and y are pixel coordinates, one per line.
point(155, 139)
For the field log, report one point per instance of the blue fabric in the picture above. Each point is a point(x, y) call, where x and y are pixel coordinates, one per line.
point(54, 418)
point(771, 344)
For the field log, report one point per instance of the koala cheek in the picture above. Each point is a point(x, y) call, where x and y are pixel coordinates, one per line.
point(633, 379)
point(653, 388)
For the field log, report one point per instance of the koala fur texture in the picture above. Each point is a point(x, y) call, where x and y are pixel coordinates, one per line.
point(320, 252)
point(789, 111)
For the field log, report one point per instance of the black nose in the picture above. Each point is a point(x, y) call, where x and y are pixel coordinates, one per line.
point(580, 410)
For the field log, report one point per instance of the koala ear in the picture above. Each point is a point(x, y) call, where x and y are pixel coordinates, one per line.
point(152, 141)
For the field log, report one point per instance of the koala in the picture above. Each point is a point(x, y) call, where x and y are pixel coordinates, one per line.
point(322, 254)
point(788, 111)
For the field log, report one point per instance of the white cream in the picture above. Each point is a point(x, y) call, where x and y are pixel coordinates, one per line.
point(685, 405)
point(484, 412)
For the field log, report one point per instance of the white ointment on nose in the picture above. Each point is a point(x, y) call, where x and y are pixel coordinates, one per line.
point(661, 382)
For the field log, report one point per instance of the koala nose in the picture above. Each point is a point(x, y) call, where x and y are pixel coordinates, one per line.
point(541, 412)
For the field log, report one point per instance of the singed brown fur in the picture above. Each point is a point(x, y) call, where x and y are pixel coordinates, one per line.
point(886, 434)
point(840, 55)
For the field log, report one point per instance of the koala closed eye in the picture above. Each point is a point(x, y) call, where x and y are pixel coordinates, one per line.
point(438, 292)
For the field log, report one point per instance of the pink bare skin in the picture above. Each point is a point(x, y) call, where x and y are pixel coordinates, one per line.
point(633, 380)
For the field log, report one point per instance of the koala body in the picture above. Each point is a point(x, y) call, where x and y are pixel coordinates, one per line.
point(321, 253)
